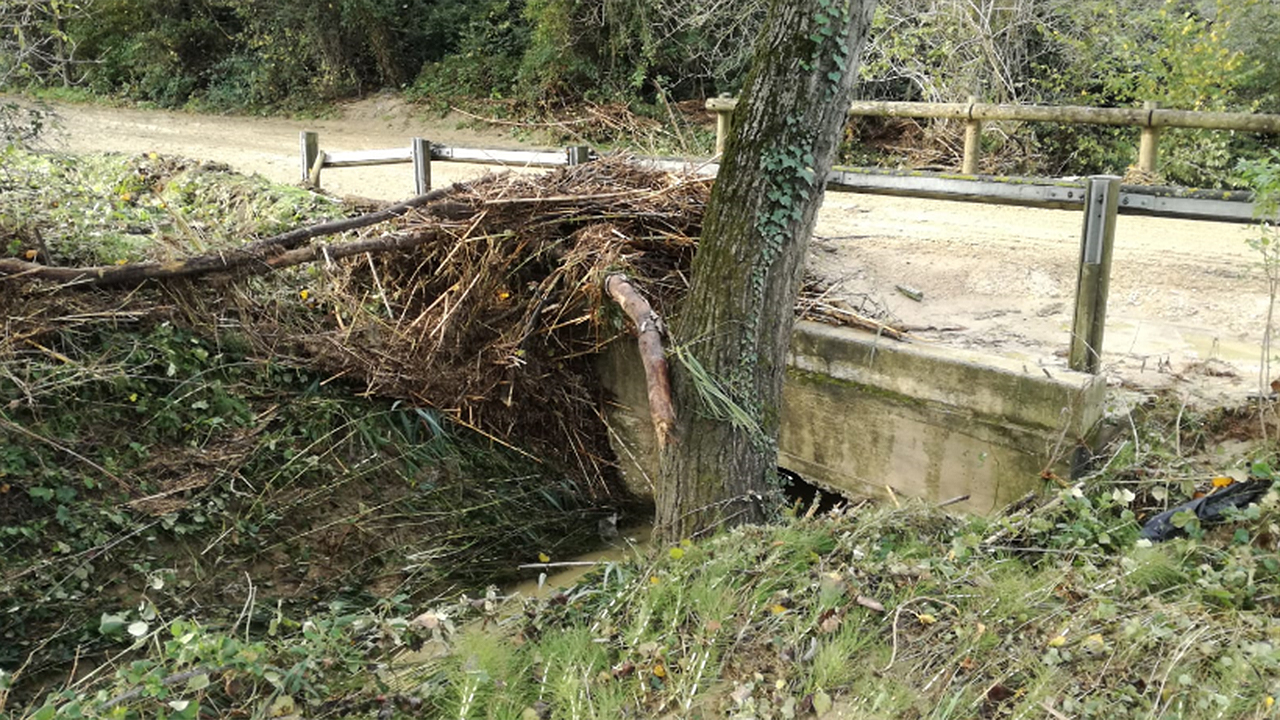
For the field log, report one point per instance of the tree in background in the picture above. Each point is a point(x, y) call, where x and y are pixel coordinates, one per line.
point(34, 44)
point(734, 327)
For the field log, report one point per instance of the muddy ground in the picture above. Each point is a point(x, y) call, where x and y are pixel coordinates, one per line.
point(1188, 298)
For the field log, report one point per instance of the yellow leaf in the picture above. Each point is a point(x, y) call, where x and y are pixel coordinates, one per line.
point(304, 294)
point(544, 558)
point(1222, 481)
point(777, 609)
point(122, 261)
point(1057, 641)
point(659, 671)
point(676, 553)
point(653, 580)
point(926, 619)
point(133, 397)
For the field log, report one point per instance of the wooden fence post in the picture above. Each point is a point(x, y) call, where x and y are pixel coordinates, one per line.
point(310, 151)
point(420, 151)
point(723, 107)
point(972, 141)
point(1094, 277)
point(1148, 152)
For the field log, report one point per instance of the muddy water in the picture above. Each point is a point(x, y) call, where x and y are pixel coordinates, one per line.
point(630, 543)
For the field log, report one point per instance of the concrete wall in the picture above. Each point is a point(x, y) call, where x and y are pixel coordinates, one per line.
point(862, 413)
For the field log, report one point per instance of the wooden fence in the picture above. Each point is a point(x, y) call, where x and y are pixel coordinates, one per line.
point(1151, 119)
point(1226, 206)
point(1101, 197)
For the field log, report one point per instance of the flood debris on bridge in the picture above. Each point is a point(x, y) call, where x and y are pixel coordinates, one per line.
point(484, 300)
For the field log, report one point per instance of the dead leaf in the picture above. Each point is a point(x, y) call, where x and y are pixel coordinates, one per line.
point(427, 620)
point(869, 604)
point(829, 621)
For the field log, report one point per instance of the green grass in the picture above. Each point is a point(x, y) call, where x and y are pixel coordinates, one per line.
point(767, 622)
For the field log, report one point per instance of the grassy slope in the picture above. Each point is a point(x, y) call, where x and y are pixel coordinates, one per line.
point(784, 621)
point(156, 465)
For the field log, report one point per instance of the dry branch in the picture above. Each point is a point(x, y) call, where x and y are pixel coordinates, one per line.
point(649, 336)
point(484, 303)
point(255, 257)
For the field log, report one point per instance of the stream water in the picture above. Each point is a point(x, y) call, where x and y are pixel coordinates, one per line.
point(631, 542)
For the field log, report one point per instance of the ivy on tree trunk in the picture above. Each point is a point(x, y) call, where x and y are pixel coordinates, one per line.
point(734, 328)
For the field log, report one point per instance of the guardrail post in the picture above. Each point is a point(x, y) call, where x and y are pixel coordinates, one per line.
point(1148, 144)
point(1094, 277)
point(723, 107)
point(420, 151)
point(972, 141)
point(310, 142)
point(578, 154)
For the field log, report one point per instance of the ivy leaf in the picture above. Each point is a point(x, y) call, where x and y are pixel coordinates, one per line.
point(111, 624)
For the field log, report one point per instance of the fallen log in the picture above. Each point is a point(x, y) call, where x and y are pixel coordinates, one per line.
point(649, 337)
point(257, 257)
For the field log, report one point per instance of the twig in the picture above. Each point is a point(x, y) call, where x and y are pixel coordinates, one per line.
point(897, 612)
point(1044, 704)
point(4, 422)
point(169, 681)
point(548, 565)
point(382, 293)
point(267, 250)
point(514, 123)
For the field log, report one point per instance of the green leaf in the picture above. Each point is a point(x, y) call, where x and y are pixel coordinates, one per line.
point(45, 713)
point(821, 703)
point(111, 624)
point(198, 682)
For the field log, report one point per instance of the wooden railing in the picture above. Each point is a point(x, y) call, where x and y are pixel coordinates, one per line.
point(1229, 206)
point(1150, 118)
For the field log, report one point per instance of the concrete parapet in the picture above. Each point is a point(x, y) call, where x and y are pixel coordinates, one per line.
point(862, 413)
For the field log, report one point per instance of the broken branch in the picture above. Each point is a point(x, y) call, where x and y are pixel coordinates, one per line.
point(255, 257)
point(649, 338)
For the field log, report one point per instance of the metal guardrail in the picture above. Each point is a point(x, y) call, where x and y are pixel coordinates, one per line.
point(1173, 202)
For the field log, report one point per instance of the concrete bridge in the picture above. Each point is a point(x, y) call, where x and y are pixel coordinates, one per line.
point(862, 414)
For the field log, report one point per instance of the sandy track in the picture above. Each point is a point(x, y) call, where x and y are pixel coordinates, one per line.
point(1182, 292)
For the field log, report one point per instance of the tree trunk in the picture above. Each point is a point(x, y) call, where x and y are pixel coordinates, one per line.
point(734, 327)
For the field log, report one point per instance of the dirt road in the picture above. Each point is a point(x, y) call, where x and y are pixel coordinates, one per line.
point(1187, 301)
